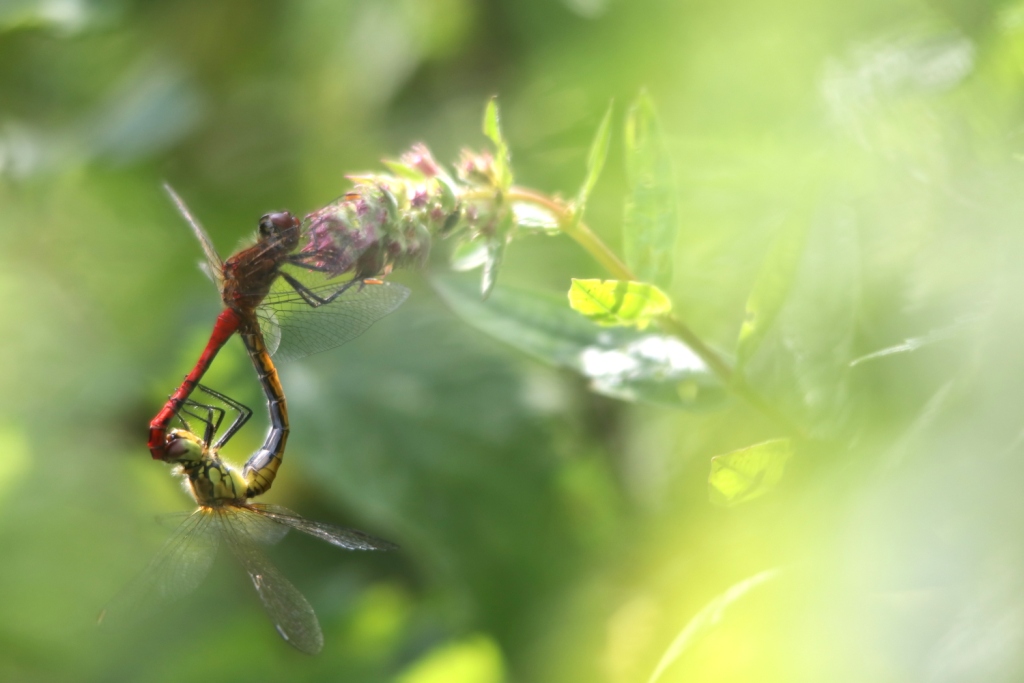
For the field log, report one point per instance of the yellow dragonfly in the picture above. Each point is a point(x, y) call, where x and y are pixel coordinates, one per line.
point(226, 516)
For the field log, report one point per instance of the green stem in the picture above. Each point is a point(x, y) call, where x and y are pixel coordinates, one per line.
point(577, 230)
point(583, 236)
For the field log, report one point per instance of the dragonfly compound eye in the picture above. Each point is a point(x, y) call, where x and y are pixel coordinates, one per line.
point(282, 225)
point(280, 221)
point(183, 447)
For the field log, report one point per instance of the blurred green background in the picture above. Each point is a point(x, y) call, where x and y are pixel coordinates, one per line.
point(548, 534)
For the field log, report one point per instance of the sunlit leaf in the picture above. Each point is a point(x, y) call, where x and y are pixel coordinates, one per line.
point(817, 326)
point(915, 343)
point(496, 245)
point(495, 254)
point(529, 216)
point(619, 362)
point(707, 619)
point(502, 159)
point(595, 164)
point(651, 216)
point(468, 255)
point(748, 473)
point(473, 660)
point(402, 170)
point(618, 303)
point(771, 287)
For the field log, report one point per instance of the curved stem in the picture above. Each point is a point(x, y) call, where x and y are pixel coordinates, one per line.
point(577, 230)
point(583, 236)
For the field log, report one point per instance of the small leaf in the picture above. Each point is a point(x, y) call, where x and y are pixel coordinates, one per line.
point(619, 362)
point(915, 343)
point(704, 621)
point(595, 164)
point(651, 217)
point(771, 287)
point(817, 329)
point(496, 244)
point(403, 170)
point(748, 473)
point(529, 216)
point(468, 255)
point(502, 159)
point(492, 264)
point(449, 193)
point(390, 205)
point(617, 302)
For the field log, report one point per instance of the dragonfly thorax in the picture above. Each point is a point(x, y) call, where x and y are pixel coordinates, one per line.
point(249, 274)
point(210, 480)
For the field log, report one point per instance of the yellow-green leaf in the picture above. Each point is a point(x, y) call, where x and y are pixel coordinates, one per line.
point(595, 163)
point(651, 219)
point(618, 302)
point(705, 621)
point(620, 362)
point(748, 473)
point(502, 158)
point(771, 287)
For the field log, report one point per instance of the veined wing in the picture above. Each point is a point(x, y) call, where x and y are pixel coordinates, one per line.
point(177, 570)
point(350, 539)
point(214, 264)
point(291, 613)
point(306, 329)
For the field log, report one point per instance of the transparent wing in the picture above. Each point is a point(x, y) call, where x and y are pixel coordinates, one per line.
point(180, 566)
point(291, 614)
point(307, 329)
point(214, 264)
point(350, 539)
point(270, 328)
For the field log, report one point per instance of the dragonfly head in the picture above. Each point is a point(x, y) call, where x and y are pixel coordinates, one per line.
point(281, 227)
point(184, 447)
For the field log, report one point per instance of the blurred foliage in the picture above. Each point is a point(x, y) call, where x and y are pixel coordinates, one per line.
point(846, 180)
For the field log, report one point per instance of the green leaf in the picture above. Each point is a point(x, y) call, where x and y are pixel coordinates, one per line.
point(476, 659)
point(771, 287)
point(529, 216)
point(618, 362)
point(817, 328)
point(468, 255)
point(595, 163)
point(502, 158)
point(449, 192)
point(618, 303)
point(707, 619)
point(651, 216)
point(403, 170)
point(748, 473)
point(492, 264)
point(914, 343)
point(496, 245)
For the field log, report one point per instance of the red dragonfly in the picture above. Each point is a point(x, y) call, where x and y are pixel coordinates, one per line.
point(282, 299)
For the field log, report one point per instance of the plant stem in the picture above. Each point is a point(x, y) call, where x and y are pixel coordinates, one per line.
point(583, 235)
point(577, 230)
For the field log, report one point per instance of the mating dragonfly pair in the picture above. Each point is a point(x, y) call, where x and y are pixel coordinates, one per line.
point(282, 295)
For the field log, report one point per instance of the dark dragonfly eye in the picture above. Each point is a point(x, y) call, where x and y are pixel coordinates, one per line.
point(277, 223)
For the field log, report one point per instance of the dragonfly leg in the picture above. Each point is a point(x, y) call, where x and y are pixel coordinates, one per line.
point(242, 414)
point(314, 300)
point(214, 416)
point(303, 261)
point(211, 422)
